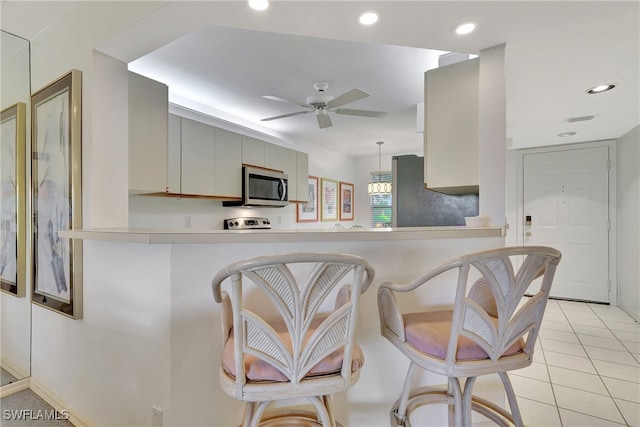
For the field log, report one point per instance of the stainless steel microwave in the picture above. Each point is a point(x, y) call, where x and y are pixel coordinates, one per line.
point(263, 187)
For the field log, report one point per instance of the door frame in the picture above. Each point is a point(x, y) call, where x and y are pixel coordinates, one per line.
point(515, 208)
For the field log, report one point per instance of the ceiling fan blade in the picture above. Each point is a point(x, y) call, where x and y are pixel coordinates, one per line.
point(362, 113)
point(287, 101)
point(347, 97)
point(324, 121)
point(285, 115)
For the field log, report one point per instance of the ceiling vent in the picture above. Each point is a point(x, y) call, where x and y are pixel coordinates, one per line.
point(580, 119)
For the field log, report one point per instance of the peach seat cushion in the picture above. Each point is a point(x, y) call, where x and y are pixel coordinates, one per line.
point(257, 369)
point(429, 333)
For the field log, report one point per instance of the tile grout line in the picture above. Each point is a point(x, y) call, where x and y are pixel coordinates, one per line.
point(605, 384)
point(590, 360)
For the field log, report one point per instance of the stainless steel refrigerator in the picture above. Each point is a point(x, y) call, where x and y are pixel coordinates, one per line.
point(414, 206)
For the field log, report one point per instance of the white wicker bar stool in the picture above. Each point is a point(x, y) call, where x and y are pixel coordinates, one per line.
point(297, 340)
point(489, 330)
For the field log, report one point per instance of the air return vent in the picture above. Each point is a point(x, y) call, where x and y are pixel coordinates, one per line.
point(580, 119)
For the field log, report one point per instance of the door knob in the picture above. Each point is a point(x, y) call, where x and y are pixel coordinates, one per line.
point(527, 234)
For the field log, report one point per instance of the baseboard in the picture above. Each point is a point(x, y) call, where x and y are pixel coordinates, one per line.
point(57, 404)
point(14, 387)
point(13, 369)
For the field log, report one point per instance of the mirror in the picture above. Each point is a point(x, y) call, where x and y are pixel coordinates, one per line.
point(15, 307)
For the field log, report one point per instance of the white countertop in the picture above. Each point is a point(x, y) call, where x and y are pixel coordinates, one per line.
point(163, 236)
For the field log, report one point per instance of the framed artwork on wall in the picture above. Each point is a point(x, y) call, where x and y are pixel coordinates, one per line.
point(329, 199)
point(346, 201)
point(57, 194)
point(13, 200)
point(308, 212)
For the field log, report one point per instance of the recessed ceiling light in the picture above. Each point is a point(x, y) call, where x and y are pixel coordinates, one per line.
point(368, 17)
point(258, 4)
point(600, 88)
point(566, 134)
point(465, 28)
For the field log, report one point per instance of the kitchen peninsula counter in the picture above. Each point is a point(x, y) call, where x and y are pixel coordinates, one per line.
point(180, 236)
point(151, 320)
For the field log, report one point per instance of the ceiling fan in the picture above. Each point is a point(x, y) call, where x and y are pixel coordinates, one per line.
point(324, 104)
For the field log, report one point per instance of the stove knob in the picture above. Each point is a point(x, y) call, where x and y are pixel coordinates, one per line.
point(235, 223)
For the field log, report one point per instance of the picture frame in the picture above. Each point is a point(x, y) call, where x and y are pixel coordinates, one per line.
point(13, 235)
point(346, 201)
point(329, 199)
point(308, 212)
point(56, 194)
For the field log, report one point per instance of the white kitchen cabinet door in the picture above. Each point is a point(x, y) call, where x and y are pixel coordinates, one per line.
point(296, 166)
point(302, 177)
point(273, 156)
point(290, 164)
point(227, 164)
point(252, 151)
point(197, 158)
point(148, 117)
point(451, 109)
point(174, 154)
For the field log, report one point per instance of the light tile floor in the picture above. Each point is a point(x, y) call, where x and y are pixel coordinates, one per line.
point(586, 369)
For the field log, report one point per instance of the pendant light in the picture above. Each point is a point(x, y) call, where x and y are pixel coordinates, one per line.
point(379, 187)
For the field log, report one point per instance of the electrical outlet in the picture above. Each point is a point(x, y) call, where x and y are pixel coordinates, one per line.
point(156, 414)
point(187, 221)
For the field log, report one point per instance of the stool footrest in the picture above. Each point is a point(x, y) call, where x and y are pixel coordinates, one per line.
point(429, 395)
point(291, 418)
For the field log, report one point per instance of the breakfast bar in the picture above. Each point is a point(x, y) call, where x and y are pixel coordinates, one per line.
point(150, 292)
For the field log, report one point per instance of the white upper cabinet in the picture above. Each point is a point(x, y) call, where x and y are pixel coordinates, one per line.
point(273, 156)
point(197, 158)
point(252, 151)
point(302, 177)
point(148, 134)
point(451, 111)
point(296, 166)
point(289, 167)
point(227, 164)
point(256, 152)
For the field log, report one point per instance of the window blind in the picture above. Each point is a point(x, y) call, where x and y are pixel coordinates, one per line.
point(381, 209)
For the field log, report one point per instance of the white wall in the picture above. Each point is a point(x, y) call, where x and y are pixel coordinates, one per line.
point(629, 222)
point(72, 359)
point(69, 43)
point(492, 137)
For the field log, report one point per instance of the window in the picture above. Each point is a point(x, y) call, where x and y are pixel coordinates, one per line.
point(381, 203)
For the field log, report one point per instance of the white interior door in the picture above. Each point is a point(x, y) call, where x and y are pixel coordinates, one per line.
point(566, 206)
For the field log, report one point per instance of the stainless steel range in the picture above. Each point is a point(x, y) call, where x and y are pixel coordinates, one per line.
point(247, 223)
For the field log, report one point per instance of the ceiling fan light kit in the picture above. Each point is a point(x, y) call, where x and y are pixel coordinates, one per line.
point(323, 104)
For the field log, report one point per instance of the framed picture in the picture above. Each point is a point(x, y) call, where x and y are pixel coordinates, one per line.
point(13, 200)
point(57, 194)
point(346, 201)
point(308, 212)
point(329, 199)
